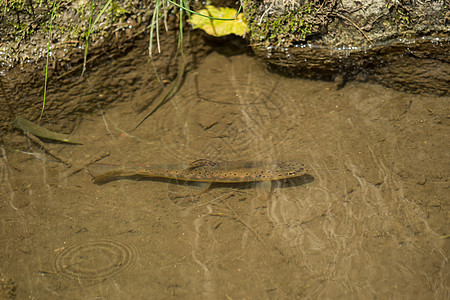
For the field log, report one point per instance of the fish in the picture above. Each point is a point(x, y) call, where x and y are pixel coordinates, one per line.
point(39, 131)
point(204, 170)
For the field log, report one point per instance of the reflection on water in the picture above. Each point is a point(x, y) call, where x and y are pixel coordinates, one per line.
point(239, 116)
point(365, 221)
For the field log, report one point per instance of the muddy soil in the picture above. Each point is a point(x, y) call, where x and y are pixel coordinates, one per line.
point(368, 220)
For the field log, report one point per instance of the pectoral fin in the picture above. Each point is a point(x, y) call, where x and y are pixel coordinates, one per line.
point(203, 186)
point(264, 188)
point(201, 163)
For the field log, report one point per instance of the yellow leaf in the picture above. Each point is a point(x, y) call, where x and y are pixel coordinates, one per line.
point(219, 27)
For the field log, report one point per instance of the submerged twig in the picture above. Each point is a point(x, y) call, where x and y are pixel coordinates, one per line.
point(97, 159)
point(37, 155)
point(173, 90)
point(42, 145)
point(353, 23)
point(239, 219)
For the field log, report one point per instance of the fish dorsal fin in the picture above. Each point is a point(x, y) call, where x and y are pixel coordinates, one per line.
point(201, 163)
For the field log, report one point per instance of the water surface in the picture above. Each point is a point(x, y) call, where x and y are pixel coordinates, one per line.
point(368, 222)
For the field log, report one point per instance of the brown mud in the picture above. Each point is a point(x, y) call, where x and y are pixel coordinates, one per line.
point(129, 65)
point(368, 222)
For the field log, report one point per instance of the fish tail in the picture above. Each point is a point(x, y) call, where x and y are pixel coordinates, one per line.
point(103, 173)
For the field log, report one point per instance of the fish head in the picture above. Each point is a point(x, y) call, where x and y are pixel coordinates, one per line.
point(288, 169)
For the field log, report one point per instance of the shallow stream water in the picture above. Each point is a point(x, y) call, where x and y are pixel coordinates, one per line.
point(367, 221)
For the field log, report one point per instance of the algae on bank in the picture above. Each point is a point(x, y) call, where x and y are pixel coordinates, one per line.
point(271, 25)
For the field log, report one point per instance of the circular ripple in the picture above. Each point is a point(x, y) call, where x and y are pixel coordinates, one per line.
point(94, 260)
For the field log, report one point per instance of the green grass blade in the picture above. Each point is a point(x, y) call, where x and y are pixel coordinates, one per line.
point(206, 16)
point(153, 24)
point(102, 12)
point(180, 31)
point(46, 63)
point(87, 38)
point(91, 25)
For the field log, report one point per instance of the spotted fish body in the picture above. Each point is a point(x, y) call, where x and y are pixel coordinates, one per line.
point(203, 171)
